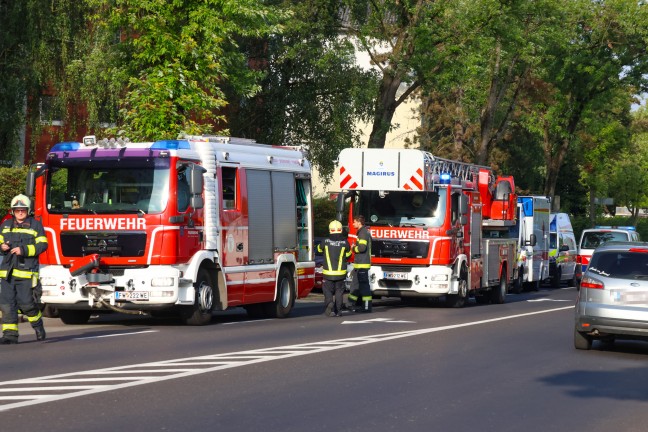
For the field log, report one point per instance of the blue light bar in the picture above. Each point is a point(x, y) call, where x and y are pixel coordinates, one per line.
point(445, 178)
point(171, 145)
point(629, 228)
point(66, 146)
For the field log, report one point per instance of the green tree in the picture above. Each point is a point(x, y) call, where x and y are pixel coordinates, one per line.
point(468, 109)
point(167, 61)
point(630, 171)
point(600, 57)
point(313, 94)
point(38, 40)
point(409, 42)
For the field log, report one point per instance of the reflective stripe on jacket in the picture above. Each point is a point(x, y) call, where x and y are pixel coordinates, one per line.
point(337, 251)
point(362, 249)
point(30, 237)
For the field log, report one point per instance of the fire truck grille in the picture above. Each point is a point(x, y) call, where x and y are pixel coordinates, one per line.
point(123, 244)
point(399, 249)
point(405, 269)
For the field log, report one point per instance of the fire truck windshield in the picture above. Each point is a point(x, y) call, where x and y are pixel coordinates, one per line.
point(133, 186)
point(401, 208)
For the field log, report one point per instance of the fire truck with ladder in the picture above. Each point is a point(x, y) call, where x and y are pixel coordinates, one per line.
point(440, 228)
point(191, 226)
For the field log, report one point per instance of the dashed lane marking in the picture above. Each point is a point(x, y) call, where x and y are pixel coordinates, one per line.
point(32, 391)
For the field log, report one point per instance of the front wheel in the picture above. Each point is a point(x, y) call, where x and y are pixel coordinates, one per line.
point(200, 313)
point(283, 304)
point(498, 294)
point(459, 300)
point(518, 284)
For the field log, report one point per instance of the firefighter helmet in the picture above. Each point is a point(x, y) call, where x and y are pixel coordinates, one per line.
point(20, 201)
point(335, 227)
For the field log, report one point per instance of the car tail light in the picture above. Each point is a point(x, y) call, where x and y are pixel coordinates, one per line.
point(591, 283)
point(579, 259)
point(640, 250)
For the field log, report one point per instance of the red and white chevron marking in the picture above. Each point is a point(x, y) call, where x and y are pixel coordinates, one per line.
point(415, 182)
point(346, 181)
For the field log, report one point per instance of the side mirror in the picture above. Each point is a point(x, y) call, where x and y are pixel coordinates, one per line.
point(341, 200)
point(564, 248)
point(196, 184)
point(463, 205)
point(35, 170)
point(532, 240)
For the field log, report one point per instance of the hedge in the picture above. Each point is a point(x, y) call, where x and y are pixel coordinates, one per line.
point(12, 183)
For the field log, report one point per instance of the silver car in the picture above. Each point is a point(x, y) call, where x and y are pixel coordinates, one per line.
point(613, 297)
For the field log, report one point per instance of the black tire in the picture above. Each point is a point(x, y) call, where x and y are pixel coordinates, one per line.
point(459, 300)
point(555, 282)
point(200, 313)
point(498, 294)
point(74, 317)
point(283, 304)
point(582, 341)
point(574, 281)
point(518, 284)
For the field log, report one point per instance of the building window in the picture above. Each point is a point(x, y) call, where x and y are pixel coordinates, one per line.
point(51, 111)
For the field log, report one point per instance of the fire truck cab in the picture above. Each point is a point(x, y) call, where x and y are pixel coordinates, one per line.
point(192, 225)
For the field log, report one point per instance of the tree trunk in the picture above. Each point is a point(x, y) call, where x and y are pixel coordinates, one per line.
point(592, 205)
point(386, 105)
point(555, 159)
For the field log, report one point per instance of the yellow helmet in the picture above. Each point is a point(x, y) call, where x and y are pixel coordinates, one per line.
point(335, 227)
point(21, 201)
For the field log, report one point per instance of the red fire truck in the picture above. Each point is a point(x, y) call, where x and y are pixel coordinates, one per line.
point(440, 228)
point(192, 225)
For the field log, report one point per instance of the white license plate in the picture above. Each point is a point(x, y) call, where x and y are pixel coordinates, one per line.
point(131, 295)
point(629, 297)
point(395, 275)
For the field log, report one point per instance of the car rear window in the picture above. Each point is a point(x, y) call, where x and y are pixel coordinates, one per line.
point(594, 239)
point(624, 265)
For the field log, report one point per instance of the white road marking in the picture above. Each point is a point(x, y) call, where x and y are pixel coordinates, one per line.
point(248, 321)
point(374, 320)
point(20, 393)
point(116, 334)
point(548, 300)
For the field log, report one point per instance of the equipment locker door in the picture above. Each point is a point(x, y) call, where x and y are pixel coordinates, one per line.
point(234, 232)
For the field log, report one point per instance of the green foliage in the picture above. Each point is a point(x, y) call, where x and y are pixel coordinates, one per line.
point(12, 184)
point(313, 93)
point(172, 61)
point(629, 171)
point(324, 212)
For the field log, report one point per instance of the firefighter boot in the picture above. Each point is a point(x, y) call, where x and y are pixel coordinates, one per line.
point(366, 307)
point(40, 331)
point(9, 338)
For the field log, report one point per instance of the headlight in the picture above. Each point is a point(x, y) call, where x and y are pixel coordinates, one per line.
point(162, 282)
point(49, 281)
point(439, 277)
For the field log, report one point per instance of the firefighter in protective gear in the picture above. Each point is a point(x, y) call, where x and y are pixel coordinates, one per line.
point(337, 251)
point(22, 239)
point(360, 296)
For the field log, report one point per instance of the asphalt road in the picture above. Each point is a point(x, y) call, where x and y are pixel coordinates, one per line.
point(509, 367)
